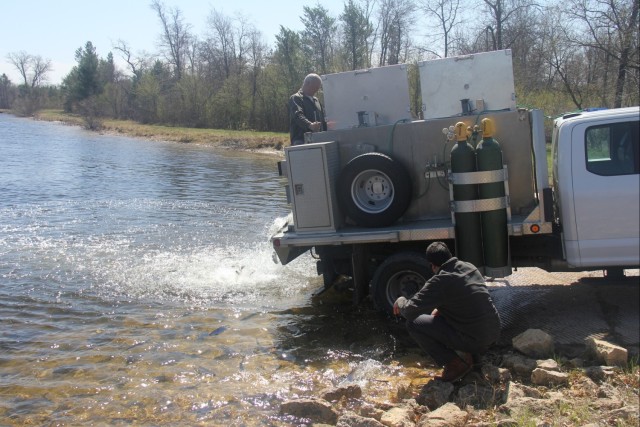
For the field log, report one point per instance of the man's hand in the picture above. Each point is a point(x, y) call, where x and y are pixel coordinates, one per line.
point(396, 309)
point(435, 312)
point(315, 126)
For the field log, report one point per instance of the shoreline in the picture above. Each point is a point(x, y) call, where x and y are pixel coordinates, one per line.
point(271, 143)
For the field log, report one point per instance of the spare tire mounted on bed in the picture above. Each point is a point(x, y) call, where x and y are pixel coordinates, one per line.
point(373, 190)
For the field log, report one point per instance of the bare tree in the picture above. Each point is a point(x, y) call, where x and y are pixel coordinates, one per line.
point(175, 36)
point(611, 26)
point(137, 65)
point(447, 15)
point(501, 11)
point(221, 42)
point(396, 18)
point(32, 68)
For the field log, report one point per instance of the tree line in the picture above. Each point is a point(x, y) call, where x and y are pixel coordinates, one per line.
point(574, 55)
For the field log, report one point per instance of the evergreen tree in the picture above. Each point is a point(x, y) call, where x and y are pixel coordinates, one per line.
point(84, 80)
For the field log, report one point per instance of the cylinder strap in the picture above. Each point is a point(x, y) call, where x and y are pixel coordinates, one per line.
point(482, 177)
point(481, 205)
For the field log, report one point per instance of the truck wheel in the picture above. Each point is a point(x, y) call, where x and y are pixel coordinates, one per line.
point(402, 274)
point(373, 190)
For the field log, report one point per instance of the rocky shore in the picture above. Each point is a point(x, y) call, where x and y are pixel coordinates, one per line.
point(525, 385)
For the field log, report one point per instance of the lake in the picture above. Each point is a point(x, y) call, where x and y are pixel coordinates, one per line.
point(137, 285)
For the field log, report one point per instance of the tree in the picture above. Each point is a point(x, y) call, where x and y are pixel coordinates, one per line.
point(83, 82)
point(136, 65)
point(175, 37)
point(6, 92)
point(500, 12)
point(611, 27)
point(32, 68)
point(446, 13)
point(318, 36)
point(357, 31)
point(289, 57)
point(396, 19)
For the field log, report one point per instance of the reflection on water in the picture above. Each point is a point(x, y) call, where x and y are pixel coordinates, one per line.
point(137, 285)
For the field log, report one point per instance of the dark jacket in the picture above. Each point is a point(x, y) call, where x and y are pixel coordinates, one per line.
point(459, 293)
point(303, 111)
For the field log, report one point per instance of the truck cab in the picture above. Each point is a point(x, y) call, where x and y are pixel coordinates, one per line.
point(596, 181)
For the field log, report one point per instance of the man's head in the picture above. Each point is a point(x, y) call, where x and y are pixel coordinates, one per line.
point(311, 84)
point(438, 254)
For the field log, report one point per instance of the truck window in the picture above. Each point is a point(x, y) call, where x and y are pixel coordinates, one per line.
point(612, 149)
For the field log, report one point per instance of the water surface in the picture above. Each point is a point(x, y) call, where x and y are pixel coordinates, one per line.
point(137, 286)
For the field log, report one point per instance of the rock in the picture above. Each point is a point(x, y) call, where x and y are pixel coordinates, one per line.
point(608, 391)
point(350, 419)
point(607, 404)
point(398, 417)
point(543, 377)
point(435, 394)
point(548, 365)
point(495, 375)
point(526, 405)
point(515, 390)
point(606, 352)
point(445, 416)
point(599, 373)
point(317, 410)
point(476, 395)
point(534, 342)
point(350, 392)
point(626, 413)
point(584, 386)
point(520, 365)
point(370, 411)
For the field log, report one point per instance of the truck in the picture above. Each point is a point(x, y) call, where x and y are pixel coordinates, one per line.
point(368, 195)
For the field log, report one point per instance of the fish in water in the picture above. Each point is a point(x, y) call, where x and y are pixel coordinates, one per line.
point(218, 331)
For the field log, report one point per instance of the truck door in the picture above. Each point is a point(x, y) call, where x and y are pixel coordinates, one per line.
point(606, 183)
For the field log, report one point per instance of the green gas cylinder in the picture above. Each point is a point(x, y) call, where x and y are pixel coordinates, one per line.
point(468, 229)
point(495, 235)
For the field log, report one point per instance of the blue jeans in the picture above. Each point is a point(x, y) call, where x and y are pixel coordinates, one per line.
point(439, 340)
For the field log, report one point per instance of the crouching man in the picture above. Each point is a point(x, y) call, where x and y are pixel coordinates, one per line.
point(452, 317)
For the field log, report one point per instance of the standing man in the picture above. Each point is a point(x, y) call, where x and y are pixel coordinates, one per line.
point(452, 316)
point(305, 111)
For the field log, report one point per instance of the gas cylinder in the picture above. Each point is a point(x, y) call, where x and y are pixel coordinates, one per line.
point(468, 228)
point(495, 235)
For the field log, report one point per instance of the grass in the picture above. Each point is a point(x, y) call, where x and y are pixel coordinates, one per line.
point(242, 140)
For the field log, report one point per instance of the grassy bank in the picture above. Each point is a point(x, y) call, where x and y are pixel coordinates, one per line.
point(241, 140)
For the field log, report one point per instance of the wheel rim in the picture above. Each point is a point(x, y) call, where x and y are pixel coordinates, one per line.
point(372, 191)
point(404, 284)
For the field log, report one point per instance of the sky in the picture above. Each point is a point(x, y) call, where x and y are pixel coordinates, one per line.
point(55, 29)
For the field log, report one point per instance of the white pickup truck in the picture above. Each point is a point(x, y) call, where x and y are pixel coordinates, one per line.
point(373, 191)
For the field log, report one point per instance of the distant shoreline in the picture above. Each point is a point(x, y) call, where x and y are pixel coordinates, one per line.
point(260, 142)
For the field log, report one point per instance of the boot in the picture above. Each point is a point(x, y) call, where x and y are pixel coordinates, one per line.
point(457, 368)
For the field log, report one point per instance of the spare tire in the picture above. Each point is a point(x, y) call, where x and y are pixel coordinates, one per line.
point(373, 190)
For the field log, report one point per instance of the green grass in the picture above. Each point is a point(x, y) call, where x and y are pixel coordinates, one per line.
point(247, 140)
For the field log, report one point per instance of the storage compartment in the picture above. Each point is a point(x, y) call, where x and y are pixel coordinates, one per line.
point(362, 98)
point(467, 84)
point(312, 172)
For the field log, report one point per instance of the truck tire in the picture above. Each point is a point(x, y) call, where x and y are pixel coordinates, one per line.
point(401, 274)
point(373, 190)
